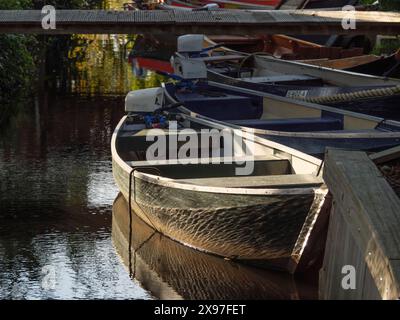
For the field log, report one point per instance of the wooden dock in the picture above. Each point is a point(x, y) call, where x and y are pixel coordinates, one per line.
point(364, 228)
point(238, 22)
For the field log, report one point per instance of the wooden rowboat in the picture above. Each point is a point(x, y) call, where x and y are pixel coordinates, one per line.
point(383, 67)
point(344, 63)
point(263, 219)
point(283, 47)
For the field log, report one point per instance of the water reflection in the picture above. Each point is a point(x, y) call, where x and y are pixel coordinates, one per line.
point(96, 64)
point(56, 193)
point(172, 271)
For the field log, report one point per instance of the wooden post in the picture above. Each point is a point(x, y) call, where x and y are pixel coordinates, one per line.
point(364, 230)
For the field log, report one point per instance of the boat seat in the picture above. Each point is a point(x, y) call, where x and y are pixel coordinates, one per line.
point(293, 125)
point(263, 166)
point(300, 79)
point(221, 106)
point(289, 180)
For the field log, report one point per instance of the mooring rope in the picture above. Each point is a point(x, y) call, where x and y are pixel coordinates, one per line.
point(351, 96)
point(132, 271)
point(130, 222)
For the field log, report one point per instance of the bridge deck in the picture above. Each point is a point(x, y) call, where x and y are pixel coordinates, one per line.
point(208, 22)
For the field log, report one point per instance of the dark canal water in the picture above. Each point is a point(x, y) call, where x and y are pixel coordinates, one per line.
point(57, 194)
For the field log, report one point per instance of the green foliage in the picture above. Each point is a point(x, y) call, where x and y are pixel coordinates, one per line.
point(387, 46)
point(385, 5)
point(17, 67)
point(15, 4)
point(367, 1)
point(68, 4)
point(19, 54)
point(390, 5)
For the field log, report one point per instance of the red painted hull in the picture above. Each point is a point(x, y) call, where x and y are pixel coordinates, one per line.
point(154, 65)
point(227, 4)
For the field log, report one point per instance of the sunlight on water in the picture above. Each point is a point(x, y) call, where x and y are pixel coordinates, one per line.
point(56, 195)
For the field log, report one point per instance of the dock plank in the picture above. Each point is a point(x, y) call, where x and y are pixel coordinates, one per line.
point(237, 22)
point(363, 231)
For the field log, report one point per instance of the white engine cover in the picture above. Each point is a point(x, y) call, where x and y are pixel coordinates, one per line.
point(190, 43)
point(145, 100)
point(188, 68)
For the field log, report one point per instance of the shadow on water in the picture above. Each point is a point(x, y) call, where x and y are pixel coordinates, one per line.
point(170, 270)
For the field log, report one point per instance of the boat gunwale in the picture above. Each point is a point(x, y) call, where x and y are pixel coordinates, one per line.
point(174, 183)
point(299, 134)
point(271, 59)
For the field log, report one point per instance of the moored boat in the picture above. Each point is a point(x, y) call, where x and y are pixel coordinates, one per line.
point(263, 218)
point(269, 66)
point(383, 67)
point(305, 126)
point(302, 125)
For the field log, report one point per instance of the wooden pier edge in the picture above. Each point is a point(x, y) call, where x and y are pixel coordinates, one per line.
point(364, 230)
point(224, 22)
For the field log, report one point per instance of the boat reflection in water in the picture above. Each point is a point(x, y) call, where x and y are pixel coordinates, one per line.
point(170, 270)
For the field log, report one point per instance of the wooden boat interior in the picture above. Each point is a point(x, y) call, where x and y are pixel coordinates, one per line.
point(274, 165)
point(281, 46)
point(344, 63)
point(383, 67)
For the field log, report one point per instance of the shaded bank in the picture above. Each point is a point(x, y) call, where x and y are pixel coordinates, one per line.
point(24, 58)
point(17, 65)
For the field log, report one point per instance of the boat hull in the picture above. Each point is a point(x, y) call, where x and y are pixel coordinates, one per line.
point(170, 270)
point(264, 230)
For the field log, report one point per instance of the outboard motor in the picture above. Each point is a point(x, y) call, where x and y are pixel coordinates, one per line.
point(145, 100)
point(187, 62)
point(189, 67)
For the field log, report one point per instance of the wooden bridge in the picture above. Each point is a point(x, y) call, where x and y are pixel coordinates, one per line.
point(207, 22)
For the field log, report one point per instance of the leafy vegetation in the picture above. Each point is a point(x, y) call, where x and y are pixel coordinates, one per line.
point(389, 5)
point(17, 67)
point(20, 55)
